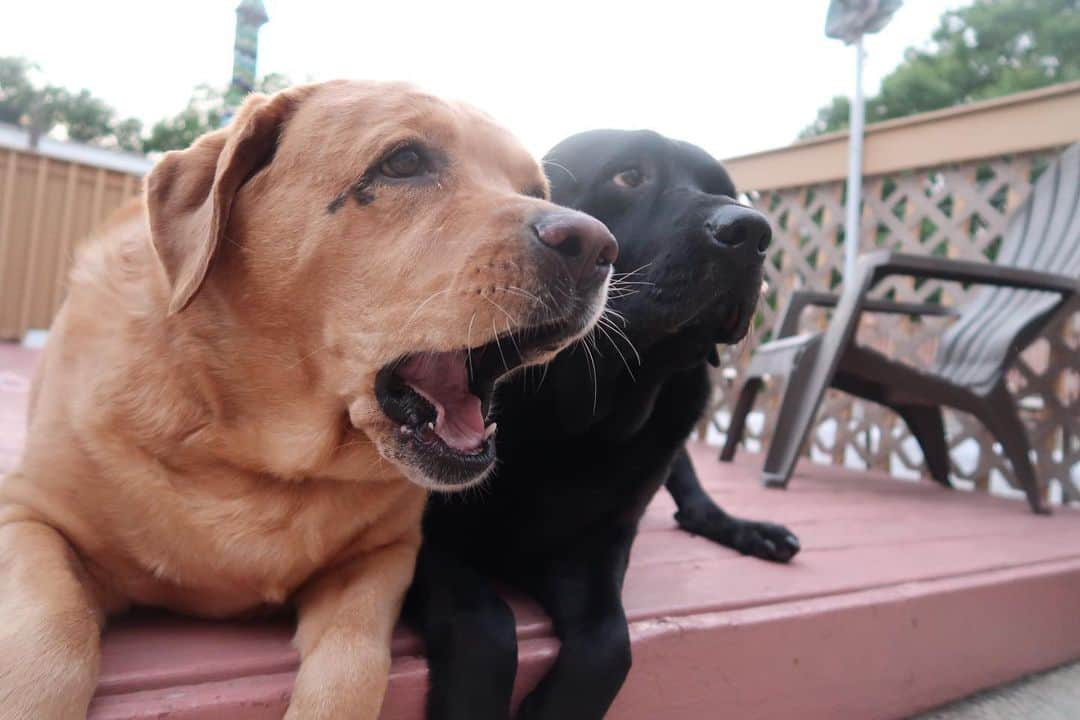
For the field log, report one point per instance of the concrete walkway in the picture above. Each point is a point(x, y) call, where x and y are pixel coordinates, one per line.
point(1053, 695)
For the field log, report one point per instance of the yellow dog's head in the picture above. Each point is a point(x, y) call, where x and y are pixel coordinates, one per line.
point(403, 243)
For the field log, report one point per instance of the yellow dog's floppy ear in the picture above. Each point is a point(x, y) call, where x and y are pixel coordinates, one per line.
point(189, 193)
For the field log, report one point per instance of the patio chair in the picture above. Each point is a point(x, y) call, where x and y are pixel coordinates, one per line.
point(1036, 275)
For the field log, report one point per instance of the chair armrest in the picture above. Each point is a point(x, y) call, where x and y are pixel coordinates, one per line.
point(883, 264)
point(875, 267)
point(800, 405)
point(802, 299)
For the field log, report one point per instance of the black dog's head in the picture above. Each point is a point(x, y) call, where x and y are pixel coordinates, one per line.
point(691, 256)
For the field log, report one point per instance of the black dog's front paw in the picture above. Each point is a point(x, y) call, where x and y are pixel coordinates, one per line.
point(765, 541)
point(759, 539)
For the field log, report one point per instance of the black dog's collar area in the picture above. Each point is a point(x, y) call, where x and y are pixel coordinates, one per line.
point(733, 321)
point(724, 322)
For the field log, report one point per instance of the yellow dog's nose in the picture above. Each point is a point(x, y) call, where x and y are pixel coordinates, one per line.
point(586, 245)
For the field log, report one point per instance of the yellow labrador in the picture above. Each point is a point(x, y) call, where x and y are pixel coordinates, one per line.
point(260, 369)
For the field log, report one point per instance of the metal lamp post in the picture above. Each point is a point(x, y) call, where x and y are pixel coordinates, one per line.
point(850, 20)
point(250, 16)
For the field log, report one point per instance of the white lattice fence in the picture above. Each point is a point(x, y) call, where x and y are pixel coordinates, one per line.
point(957, 211)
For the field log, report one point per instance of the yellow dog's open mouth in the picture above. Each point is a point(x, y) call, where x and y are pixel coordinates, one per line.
point(441, 400)
point(442, 379)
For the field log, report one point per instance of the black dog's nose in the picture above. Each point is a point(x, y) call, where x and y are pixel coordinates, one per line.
point(586, 245)
point(736, 225)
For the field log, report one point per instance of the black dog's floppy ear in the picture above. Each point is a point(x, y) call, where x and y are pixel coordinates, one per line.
point(189, 193)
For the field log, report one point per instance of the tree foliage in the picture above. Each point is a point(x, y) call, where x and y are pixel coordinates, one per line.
point(16, 90)
point(204, 112)
point(985, 50)
point(43, 108)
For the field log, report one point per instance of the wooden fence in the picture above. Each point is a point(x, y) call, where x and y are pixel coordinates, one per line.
point(941, 183)
point(49, 203)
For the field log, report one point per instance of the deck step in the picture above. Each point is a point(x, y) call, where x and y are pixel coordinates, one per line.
point(906, 596)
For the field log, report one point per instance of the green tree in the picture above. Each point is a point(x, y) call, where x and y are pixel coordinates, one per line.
point(205, 111)
point(988, 49)
point(85, 118)
point(42, 107)
point(22, 102)
point(16, 90)
point(128, 134)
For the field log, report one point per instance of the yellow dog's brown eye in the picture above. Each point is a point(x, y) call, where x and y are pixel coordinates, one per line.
point(406, 162)
point(630, 178)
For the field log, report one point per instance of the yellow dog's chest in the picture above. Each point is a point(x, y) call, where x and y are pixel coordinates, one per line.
point(221, 554)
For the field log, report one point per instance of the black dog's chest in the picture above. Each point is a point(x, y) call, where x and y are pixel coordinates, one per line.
point(554, 487)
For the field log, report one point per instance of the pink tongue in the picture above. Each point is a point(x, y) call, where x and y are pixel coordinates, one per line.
point(444, 382)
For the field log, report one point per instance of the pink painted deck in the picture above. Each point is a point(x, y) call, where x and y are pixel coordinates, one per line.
point(905, 596)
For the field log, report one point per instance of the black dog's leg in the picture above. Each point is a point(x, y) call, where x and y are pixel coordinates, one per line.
point(698, 514)
point(470, 638)
point(582, 595)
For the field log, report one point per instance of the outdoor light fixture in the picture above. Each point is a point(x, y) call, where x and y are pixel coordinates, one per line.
point(850, 20)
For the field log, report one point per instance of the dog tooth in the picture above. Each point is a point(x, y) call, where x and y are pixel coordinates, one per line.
point(489, 430)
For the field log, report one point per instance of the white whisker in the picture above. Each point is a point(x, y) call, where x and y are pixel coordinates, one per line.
point(421, 306)
point(622, 334)
point(628, 274)
point(561, 167)
point(622, 357)
point(510, 334)
point(543, 376)
point(468, 344)
point(592, 373)
point(499, 345)
point(509, 317)
point(615, 313)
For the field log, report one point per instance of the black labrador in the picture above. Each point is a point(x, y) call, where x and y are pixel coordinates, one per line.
point(584, 446)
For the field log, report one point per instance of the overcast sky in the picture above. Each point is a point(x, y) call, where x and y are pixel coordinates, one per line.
point(733, 77)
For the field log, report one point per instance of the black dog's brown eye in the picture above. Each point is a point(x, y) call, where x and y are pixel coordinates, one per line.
point(630, 178)
point(406, 162)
